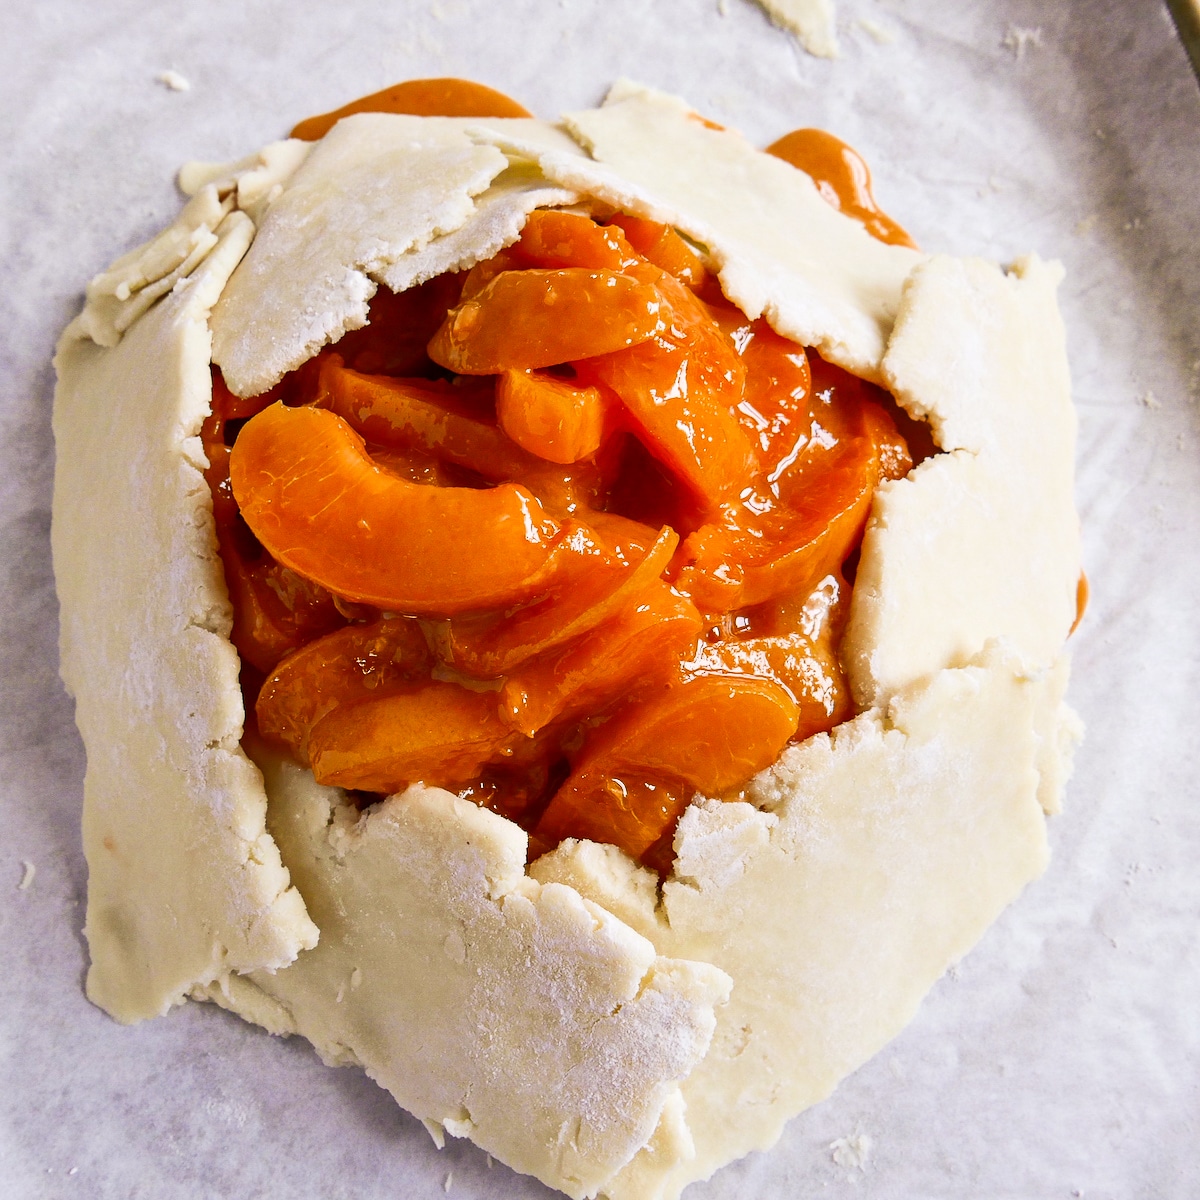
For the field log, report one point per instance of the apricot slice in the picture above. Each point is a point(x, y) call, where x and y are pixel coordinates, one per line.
point(709, 733)
point(550, 417)
point(761, 549)
point(274, 609)
point(774, 409)
point(537, 318)
point(560, 239)
point(415, 465)
point(441, 734)
point(481, 274)
point(626, 538)
point(448, 422)
point(589, 586)
point(517, 781)
point(891, 450)
point(630, 809)
point(752, 557)
point(679, 388)
point(314, 498)
point(848, 407)
point(662, 246)
point(808, 670)
point(217, 438)
point(566, 491)
point(639, 644)
point(843, 179)
point(419, 98)
point(354, 662)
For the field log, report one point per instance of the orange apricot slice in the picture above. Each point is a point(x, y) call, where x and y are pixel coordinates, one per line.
point(481, 274)
point(550, 417)
point(809, 671)
point(415, 465)
point(752, 557)
point(661, 245)
point(216, 436)
point(537, 318)
point(588, 587)
point(630, 809)
point(559, 239)
point(678, 389)
point(566, 491)
point(774, 408)
point(640, 643)
point(760, 550)
point(314, 498)
point(451, 423)
point(440, 734)
point(891, 450)
point(354, 662)
point(626, 538)
point(275, 610)
point(709, 733)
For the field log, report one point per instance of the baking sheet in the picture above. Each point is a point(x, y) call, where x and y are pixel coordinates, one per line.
point(1062, 1057)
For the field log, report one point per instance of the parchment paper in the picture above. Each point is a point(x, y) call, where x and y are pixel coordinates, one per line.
point(1062, 1058)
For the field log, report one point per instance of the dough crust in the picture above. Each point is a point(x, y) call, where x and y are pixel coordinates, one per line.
point(982, 541)
point(185, 884)
point(488, 1004)
point(800, 928)
point(812, 21)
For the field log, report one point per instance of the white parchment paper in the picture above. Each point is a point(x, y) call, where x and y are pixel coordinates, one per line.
point(1062, 1058)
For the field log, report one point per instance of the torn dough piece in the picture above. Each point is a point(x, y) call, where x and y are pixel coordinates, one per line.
point(257, 180)
point(355, 222)
point(983, 541)
point(827, 283)
point(901, 835)
point(196, 890)
point(496, 222)
point(812, 21)
point(118, 296)
point(509, 1012)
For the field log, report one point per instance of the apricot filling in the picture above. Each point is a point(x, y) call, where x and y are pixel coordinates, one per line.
point(567, 534)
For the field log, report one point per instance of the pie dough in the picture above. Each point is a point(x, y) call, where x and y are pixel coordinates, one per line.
point(565, 1017)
